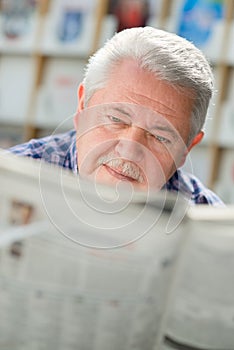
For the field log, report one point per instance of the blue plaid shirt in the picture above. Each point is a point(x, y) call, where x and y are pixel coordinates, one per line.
point(61, 150)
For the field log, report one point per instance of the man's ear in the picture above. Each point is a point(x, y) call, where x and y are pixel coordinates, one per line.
point(197, 139)
point(81, 97)
point(80, 106)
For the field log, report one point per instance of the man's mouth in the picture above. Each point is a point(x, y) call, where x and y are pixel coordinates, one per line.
point(122, 169)
point(118, 174)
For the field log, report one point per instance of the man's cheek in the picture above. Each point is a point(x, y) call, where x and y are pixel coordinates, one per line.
point(95, 137)
point(90, 150)
point(158, 169)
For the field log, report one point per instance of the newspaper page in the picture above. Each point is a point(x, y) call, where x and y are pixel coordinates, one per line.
point(202, 312)
point(76, 277)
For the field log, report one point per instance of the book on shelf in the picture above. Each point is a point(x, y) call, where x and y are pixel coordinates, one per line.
point(229, 58)
point(69, 28)
point(224, 185)
point(226, 127)
point(15, 85)
point(200, 21)
point(129, 13)
point(84, 267)
point(56, 100)
point(134, 13)
point(210, 121)
point(19, 21)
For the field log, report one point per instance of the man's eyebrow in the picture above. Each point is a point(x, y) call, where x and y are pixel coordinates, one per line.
point(166, 128)
point(119, 109)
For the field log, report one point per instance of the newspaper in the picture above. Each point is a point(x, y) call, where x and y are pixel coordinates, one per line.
point(202, 314)
point(73, 277)
point(82, 270)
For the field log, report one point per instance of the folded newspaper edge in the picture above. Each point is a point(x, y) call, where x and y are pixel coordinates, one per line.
point(27, 170)
point(209, 213)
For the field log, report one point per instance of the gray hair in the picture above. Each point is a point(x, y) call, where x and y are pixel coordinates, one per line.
point(166, 55)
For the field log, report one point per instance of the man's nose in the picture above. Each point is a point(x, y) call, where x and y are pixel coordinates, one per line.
point(131, 144)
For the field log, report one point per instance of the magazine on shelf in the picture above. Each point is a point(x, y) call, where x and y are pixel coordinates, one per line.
point(69, 28)
point(224, 184)
point(21, 68)
point(84, 266)
point(226, 127)
point(230, 47)
point(19, 22)
point(57, 95)
point(199, 21)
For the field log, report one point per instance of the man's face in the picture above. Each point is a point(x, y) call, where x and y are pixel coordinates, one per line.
point(134, 130)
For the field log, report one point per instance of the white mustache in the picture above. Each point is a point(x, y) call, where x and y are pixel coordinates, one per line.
point(125, 167)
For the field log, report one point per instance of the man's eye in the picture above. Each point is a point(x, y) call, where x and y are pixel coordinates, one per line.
point(162, 139)
point(115, 119)
point(115, 123)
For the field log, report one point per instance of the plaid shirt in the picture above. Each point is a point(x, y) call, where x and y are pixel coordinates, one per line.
point(61, 150)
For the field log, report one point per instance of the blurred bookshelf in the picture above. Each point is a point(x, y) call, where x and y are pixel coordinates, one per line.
point(45, 44)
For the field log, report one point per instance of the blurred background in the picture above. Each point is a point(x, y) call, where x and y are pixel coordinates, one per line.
point(45, 44)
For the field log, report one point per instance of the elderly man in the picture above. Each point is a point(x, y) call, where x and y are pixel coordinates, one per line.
point(141, 109)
